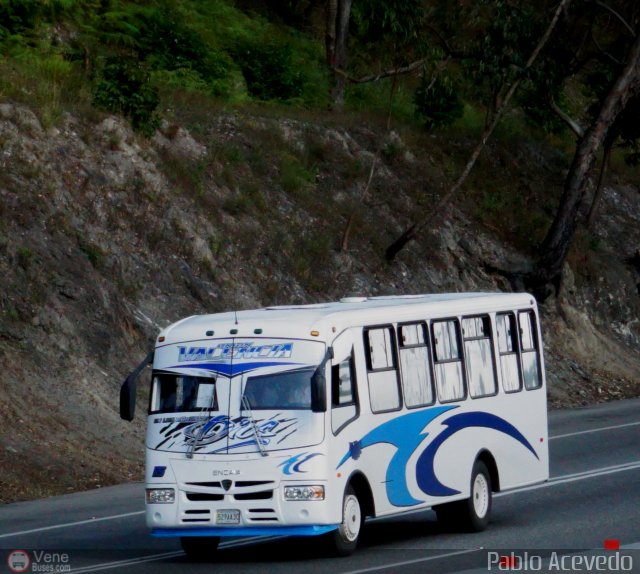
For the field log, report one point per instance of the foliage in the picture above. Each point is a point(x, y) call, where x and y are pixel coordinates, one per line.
point(268, 69)
point(502, 35)
point(398, 19)
point(437, 102)
point(125, 88)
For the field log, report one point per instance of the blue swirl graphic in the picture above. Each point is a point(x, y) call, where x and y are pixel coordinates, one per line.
point(425, 472)
point(406, 434)
point(293, 464)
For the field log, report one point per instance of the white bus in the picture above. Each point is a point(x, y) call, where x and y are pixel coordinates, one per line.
point(305, 420)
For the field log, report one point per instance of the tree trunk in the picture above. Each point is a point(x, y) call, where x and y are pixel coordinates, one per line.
point(338, 13)
point(556, 244)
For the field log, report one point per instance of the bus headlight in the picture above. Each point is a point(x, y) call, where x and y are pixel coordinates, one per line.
point(304, 492)
point(161, 495)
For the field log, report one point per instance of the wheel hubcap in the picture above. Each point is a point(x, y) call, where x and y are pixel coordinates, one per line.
point(351, 522)
point(481, 495)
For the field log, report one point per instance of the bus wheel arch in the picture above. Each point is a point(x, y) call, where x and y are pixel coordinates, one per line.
point(363, 491)
point(357, 503)
point(490, 462)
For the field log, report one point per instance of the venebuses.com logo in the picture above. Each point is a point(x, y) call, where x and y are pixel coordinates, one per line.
point(610, 561)
point(38, 561)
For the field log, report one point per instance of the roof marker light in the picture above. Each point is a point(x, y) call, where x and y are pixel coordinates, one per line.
point(234, 331)
point(209, 333)
point(161, 339)
point(315, 333)
point(257, 331)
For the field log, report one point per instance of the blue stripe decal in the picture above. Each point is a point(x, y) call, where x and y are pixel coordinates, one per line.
point(231, 369)
point(405, 433)
point(425, 472)
point(307, 530)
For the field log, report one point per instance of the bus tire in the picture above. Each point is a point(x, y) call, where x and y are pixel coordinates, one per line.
point(200, 548)
point(479, 503)
point(344, 539)
point(471, 514)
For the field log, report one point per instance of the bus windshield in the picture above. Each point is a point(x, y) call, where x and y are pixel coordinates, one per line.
point(289, 390)
point(171, 393)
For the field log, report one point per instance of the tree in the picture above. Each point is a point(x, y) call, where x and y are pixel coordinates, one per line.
point(387, 32)
point(556, 244)
point(509, 89)
point(338, 14)
point(594, 40)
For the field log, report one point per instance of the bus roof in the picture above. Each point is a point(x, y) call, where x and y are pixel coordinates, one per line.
point(329, 319)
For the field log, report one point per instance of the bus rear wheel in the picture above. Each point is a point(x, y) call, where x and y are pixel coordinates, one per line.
point(344, 540)
point(471, 514)
point(200, 548)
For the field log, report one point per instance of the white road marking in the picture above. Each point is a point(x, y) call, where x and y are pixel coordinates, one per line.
point(68, 524)
point(575, 477)
point(129, 562)
point(414, 561)
point(165, 555)
point(594, 430)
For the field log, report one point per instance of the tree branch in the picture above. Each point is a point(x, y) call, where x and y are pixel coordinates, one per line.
point(413, 230)
point(618, 16)
point(445, 45)
point(576, 128)
point(597, 194)
point(344, 244)
point(375, 77)
point(605, 53)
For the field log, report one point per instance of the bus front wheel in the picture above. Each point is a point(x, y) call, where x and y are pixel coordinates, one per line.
point(471, 514)
point(344, 539)
point(200, 548)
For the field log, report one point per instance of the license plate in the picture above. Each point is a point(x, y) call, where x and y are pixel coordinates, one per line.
point(227, 517)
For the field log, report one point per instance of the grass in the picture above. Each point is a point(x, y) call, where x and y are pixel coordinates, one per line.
point(295, 177)
point(44, 80)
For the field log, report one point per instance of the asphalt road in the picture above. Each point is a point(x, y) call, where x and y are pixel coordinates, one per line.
point(593, 495)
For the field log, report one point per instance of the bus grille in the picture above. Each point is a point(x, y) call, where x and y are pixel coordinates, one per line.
point(203, 496)
point(262, 515)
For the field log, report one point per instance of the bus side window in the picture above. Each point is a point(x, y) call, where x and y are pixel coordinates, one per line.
point(448, 361)
point(382, 371)
point(478, 352)
point(529, 350)
point(417, 384)
point(508, 349)
point(344, 399)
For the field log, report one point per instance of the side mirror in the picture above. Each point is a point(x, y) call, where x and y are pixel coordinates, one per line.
point(128, 399)
point(128, 390)
point(319, 385)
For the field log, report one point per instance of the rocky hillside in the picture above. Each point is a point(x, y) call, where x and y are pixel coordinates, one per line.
point(106, 236)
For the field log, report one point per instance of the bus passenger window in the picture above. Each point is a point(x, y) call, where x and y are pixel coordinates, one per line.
point(508, 349)
point(417, 384)
point(478, 352)
point(448, 361)
point(529, 350)
point(382, 371)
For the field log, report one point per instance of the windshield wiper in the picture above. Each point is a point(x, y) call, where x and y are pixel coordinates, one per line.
point(247, 407)
point(196, 439)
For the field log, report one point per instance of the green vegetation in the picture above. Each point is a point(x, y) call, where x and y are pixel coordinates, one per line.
point(487, 71)
point(123, 56)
